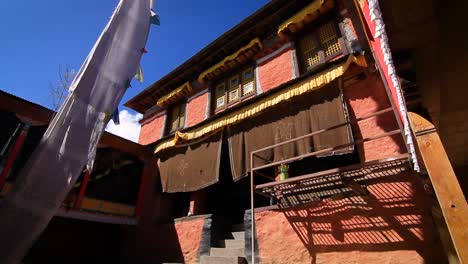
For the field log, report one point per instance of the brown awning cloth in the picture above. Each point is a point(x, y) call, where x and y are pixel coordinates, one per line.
point(191, 167)
point(310, 112)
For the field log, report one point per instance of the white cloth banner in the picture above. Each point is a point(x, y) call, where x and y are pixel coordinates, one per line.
point(376, 16)
point(69, 143)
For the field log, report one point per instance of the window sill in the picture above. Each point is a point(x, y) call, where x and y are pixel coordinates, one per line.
point(231, 104)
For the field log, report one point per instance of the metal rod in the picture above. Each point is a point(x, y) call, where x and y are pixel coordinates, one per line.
point(262, 158)
point(261, 193)
point(393, 132)
point(252, 236)
point(333, 171)
point(264, 175)
point(324, 130)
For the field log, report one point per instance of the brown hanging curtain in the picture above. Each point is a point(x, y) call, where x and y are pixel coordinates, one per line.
point(310, 112)
point(191, 167)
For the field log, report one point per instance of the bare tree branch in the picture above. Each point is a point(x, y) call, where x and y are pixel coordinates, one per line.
point(59, 89)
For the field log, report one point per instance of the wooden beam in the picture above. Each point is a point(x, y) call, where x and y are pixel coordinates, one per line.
point(10, 161)
point(444, 181)
point(124, 145)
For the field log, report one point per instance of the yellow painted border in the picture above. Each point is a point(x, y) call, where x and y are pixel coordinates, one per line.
point(176, 94)
point(307, 85)
point(307, 14)
point(229, 58)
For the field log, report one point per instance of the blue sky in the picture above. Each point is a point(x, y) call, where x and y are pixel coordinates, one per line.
point(38, 36)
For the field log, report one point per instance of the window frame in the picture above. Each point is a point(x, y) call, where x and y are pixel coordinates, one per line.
point(182, 107)
point(315, 32)
point(241, 82)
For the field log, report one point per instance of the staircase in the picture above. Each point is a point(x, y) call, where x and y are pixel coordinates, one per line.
point(231, 249)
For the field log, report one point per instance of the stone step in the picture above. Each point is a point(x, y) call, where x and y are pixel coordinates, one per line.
point(222, 260)
point(238, 227)
point(234, 243)
point(238, 235)
point(227, 252)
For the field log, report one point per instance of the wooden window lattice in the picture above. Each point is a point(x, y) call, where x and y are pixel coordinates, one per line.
point(220, 94)
point(233, 93)
point(310, 49)
point(177, 117)
point(325, 40)
point(329, 39)
point(248, 86)
point(232, 89)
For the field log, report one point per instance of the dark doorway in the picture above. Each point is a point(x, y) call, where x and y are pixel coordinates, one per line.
point(228, 199)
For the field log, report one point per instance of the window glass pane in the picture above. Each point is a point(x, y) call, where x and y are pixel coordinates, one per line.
point(175, 118)
point(248, 75)
point(181, 116)
point(248, 88)
point(220, 95)
point(248, 82)
point(220, 101)
point(234, 83)
point(233, 93)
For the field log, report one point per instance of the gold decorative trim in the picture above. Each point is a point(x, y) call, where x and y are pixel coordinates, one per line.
point(305, 16)
point(230, 59)
point(176, 94)
point(307, 85)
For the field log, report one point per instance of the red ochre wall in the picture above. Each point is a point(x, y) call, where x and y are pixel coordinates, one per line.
point(151, 130)
point(391, 225)
point(189, 235)
point(196, 109)
point(271, 73)
point(276, 70)
point(157, 238)
point(364, 98)
point(161, 243)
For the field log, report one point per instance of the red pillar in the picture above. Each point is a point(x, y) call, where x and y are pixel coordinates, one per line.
point(13, 154)
point(141, 192)
point(83, 186)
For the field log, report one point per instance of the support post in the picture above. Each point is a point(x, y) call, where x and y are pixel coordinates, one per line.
point(444, 181)
point(141, 192)
point(83, 186)
point(252, 207)
point(13, 154)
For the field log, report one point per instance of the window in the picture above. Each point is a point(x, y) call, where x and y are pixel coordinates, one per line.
point(234, 89)
point(176, 118)
point(320, 45)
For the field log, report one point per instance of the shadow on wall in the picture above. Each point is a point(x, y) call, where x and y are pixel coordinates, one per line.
point(159, 244)
point(392, 224)
point(363, 97)
point(76, 241)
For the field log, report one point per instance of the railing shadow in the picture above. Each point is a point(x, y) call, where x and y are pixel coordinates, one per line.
point(393, 216)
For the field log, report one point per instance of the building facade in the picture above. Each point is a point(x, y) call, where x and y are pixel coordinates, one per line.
point(292, 128)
